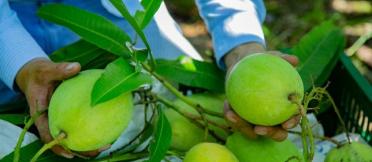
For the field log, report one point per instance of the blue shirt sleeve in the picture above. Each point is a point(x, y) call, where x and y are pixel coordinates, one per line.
point(17, 46)
point(232, 23)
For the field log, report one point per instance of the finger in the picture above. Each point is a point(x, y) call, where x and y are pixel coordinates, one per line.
point(43, 128)
point(93, 153)
point(49, 72)
point(62, 152)
point(276, 133)
point(291, 59)
point(232, 117)
point(238, 123)
point(63, 71)
point(292, 122)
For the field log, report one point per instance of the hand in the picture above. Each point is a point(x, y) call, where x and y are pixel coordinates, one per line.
point(37, 80)
point(278, 133)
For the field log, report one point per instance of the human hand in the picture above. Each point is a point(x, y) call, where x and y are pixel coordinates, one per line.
point(279, 132)
point(37, 80)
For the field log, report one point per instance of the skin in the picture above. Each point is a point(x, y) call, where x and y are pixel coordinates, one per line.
point(37, 80)
point(279, 132)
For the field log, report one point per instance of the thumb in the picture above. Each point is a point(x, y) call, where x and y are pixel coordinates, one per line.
point(65, 70)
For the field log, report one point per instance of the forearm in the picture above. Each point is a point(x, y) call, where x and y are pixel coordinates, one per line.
point(17, 47)
point(232, 23)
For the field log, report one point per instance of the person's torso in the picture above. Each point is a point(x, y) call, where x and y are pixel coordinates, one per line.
point(163, 34)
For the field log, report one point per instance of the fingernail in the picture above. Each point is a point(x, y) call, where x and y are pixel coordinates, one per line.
point(71, 66)
point(66, 155)
point(260, 131)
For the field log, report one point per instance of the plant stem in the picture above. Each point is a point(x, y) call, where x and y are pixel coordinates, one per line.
point(189, 116)
point(306, 131)
point(359, 43)
point(17, 149)
point(49, 145)
point(338, 115)
point(174, 90)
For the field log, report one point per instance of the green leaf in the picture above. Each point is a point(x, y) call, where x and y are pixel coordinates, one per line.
point(80, 51)
point(120, 6)
point(141, 55)
point(144, 136)
point(192, 73)
point(27, 152)
point(101, 62)
point(318, 52)
point(150, 6)
point(16, 119)
point(119, 77)
point(91, 27)
point(162, 138)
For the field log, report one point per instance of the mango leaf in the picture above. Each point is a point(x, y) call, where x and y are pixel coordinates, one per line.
point(80, 51)
point(150, 6)
point(91, 27)
point(16, 119)
point(143, 137)
point(101, 62)
point(27, 152)
point(318, 52)
point(120, 6)
point(119, 77)
point(162, 138)
point(192, 73)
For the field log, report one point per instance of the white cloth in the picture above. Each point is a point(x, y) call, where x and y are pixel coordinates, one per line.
point(9, 136)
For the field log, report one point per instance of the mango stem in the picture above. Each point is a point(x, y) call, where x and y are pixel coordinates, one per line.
point(49, 145)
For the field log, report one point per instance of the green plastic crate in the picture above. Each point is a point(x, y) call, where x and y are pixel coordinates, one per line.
point(353, 96)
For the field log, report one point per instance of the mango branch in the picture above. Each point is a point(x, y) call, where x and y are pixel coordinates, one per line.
point(17, 149)
point(338, 115)
point(174, 90)
point(307, 138)
point(49, 145)
point(191, 117)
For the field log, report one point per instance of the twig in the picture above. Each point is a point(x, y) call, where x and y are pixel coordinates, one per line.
point(188, 116)
point(338, 115)
point(306, 132)
point(174, 90)
point(49, 145)
point(359, 43)
point(17, 149)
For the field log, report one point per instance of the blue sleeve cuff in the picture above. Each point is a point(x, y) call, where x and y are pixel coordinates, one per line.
point(232, 23)
point(17, 47)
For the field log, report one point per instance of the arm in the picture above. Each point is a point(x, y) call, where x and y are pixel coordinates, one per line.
point(232, 23)
point(22, 61)
point(17, 47)
point(235, 26)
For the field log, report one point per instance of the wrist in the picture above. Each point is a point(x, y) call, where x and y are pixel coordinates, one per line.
point(238, 53)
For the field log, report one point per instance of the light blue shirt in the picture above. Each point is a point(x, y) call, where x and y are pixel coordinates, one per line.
point(23, 36)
